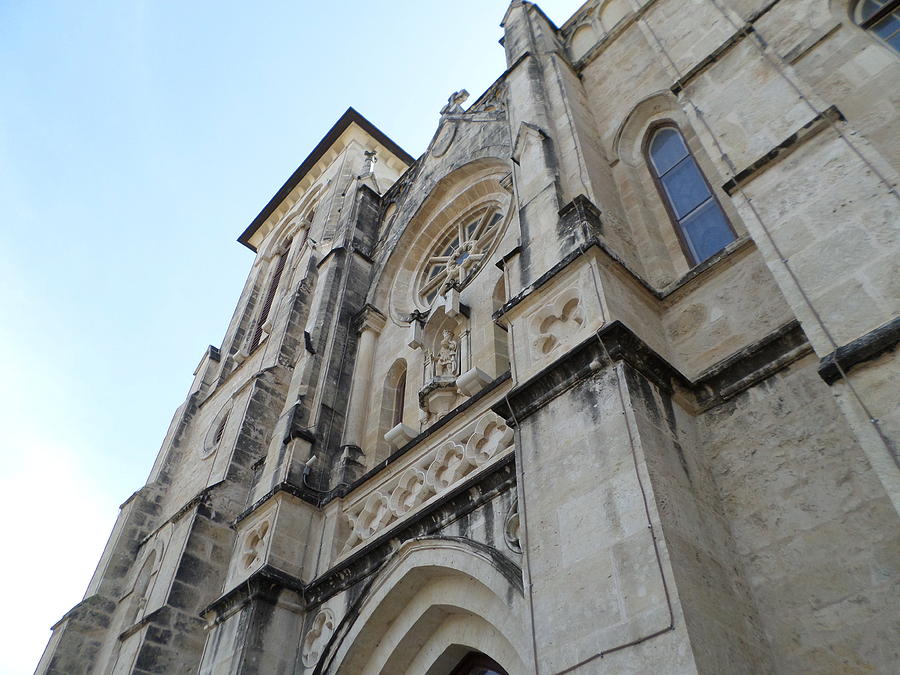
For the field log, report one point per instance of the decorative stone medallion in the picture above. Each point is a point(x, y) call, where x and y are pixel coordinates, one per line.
point(444, 140)
point(255, 544)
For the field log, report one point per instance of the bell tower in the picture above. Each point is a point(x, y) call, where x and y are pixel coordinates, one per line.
point(256, 444)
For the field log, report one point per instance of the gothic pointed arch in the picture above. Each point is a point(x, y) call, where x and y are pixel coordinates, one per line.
point(660, 225)
point(393, 403)
point(433, 602)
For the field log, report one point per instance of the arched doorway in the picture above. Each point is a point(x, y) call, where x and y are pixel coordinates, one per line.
point(476, 663)
point(438, 604)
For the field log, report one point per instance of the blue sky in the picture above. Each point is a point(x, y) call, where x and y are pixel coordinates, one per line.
point(137, 140)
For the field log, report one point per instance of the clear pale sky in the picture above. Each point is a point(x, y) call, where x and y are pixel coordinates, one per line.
point(137, 140)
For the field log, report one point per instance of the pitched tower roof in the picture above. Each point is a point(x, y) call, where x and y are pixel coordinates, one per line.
point(335, 140)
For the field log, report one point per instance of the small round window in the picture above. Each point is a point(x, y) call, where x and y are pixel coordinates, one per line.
point(461, 252)
point(216, 431)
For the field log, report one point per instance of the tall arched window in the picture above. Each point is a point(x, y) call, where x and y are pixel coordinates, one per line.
point(399, 401)
point(393, 397)
point(393, 400)
point(701, 224)
point(263, 315)
point(138, 600)
point(501, 334)
point(882, 18)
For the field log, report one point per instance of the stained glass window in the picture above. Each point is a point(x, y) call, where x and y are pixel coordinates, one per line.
point(702, 226)
point(461, 251)
point(882, 18)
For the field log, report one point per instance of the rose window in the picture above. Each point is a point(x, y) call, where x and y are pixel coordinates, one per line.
point(456, 258)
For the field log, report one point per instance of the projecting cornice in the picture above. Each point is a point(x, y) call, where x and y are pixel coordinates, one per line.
point(350, 123)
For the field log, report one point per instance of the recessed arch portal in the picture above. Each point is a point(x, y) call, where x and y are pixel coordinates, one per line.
point(435, 601)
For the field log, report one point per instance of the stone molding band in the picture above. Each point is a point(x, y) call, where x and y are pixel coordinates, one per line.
point(267, 581)
point(864, 348)
point(616, 342)
point(818, 123)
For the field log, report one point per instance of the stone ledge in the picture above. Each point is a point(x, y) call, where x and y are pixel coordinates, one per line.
point(864, 348)
point(265, 583)
point(780, 151)
point(711, 58)
point(738, 245)
point(166, 615)
point(752, 364)
point(616, 342)
point(612, 343)
point(197, 501)
point(309, 495)
point(95, 609)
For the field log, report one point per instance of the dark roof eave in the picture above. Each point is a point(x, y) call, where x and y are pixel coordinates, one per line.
point(348, 118)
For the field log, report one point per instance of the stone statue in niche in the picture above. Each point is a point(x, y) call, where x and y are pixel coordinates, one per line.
point(445, 361)
point(444, 354)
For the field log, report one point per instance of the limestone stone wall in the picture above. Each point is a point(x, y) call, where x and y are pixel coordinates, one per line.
point(814, 529)
point(708, 320)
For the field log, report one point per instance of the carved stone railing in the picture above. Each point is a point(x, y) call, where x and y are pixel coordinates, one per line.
point(430, 472)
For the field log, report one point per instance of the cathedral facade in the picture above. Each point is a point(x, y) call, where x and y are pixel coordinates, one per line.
point(603, 382)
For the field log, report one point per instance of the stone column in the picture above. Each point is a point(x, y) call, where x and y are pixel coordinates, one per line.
point(371, 323)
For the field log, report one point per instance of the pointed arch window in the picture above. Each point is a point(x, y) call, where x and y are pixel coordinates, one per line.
point(501, 333)
point(882, 19)
point(267, 302)
point(399, 397)
point(698, 218)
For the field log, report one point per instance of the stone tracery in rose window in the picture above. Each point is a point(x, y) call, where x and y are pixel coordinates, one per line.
point(460, 253)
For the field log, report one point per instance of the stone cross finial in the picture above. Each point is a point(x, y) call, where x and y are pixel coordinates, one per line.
point(454, 103)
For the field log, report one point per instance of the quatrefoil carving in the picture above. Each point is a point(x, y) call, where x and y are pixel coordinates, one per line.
point(255, 543)
point(410, 491)
point(490, 437)
point(448, 466)
point(447, 463)
point(555, 324)
point(317, 637)
point(375, 514)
